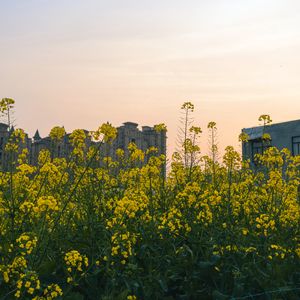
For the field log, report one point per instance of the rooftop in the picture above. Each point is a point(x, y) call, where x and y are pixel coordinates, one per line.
point(3, 126)
point(257, 131)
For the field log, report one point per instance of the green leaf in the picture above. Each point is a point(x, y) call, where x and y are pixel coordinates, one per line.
point(219, 296)
point(74, 296)
point(163, 285)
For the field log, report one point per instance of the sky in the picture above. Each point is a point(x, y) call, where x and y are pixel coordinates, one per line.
point(80, 63)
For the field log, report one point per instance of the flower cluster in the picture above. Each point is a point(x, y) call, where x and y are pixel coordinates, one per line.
point(26, 243)
point(28, 283)
point(204, 228)
point(50, 292)
point(76, 263)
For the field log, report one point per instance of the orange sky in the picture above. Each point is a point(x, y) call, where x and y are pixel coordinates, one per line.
point(80, 63)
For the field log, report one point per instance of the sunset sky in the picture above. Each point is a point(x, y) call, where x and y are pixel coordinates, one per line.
point(80, 63)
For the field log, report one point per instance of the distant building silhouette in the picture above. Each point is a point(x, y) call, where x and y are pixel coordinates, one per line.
point(127, 133)
point(4, 134)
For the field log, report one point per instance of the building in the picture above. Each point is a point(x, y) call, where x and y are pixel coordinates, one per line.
point(4, 134)
point(144, 139)
point(5, 157)
point(283, 135)
point(60, 149)
point(127, 133)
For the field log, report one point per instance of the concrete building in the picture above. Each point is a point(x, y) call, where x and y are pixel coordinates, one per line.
point(127, 133)
point(283, 135)
point(60, 149)
point(144, 139)
point(5, 134)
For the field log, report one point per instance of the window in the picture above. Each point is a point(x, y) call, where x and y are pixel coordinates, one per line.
point(296, 145)
point(258, 147)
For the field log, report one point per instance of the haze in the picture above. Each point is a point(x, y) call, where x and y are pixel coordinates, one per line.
point(81, 63)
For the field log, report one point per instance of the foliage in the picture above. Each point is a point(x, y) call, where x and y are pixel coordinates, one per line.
point(92, 227)
point(6, 106)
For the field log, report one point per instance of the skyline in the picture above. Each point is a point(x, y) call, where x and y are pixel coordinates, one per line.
point(80, 64)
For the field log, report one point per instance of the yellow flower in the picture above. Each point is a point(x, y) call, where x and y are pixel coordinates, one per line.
point(5, 277)
point(57, 133)
point(188, 106)
point(106, 131)
point(245, 231)
point(74, 259)
point(212, 125)
point(18, 294)
point(243, 137)
point(160, 127)
point(19, 284)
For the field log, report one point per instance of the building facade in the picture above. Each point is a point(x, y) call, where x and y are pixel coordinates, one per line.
point(4, 134)
point(126, 134)
point(283, 135)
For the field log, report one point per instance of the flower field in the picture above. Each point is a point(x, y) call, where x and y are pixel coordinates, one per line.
point(93, 227)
